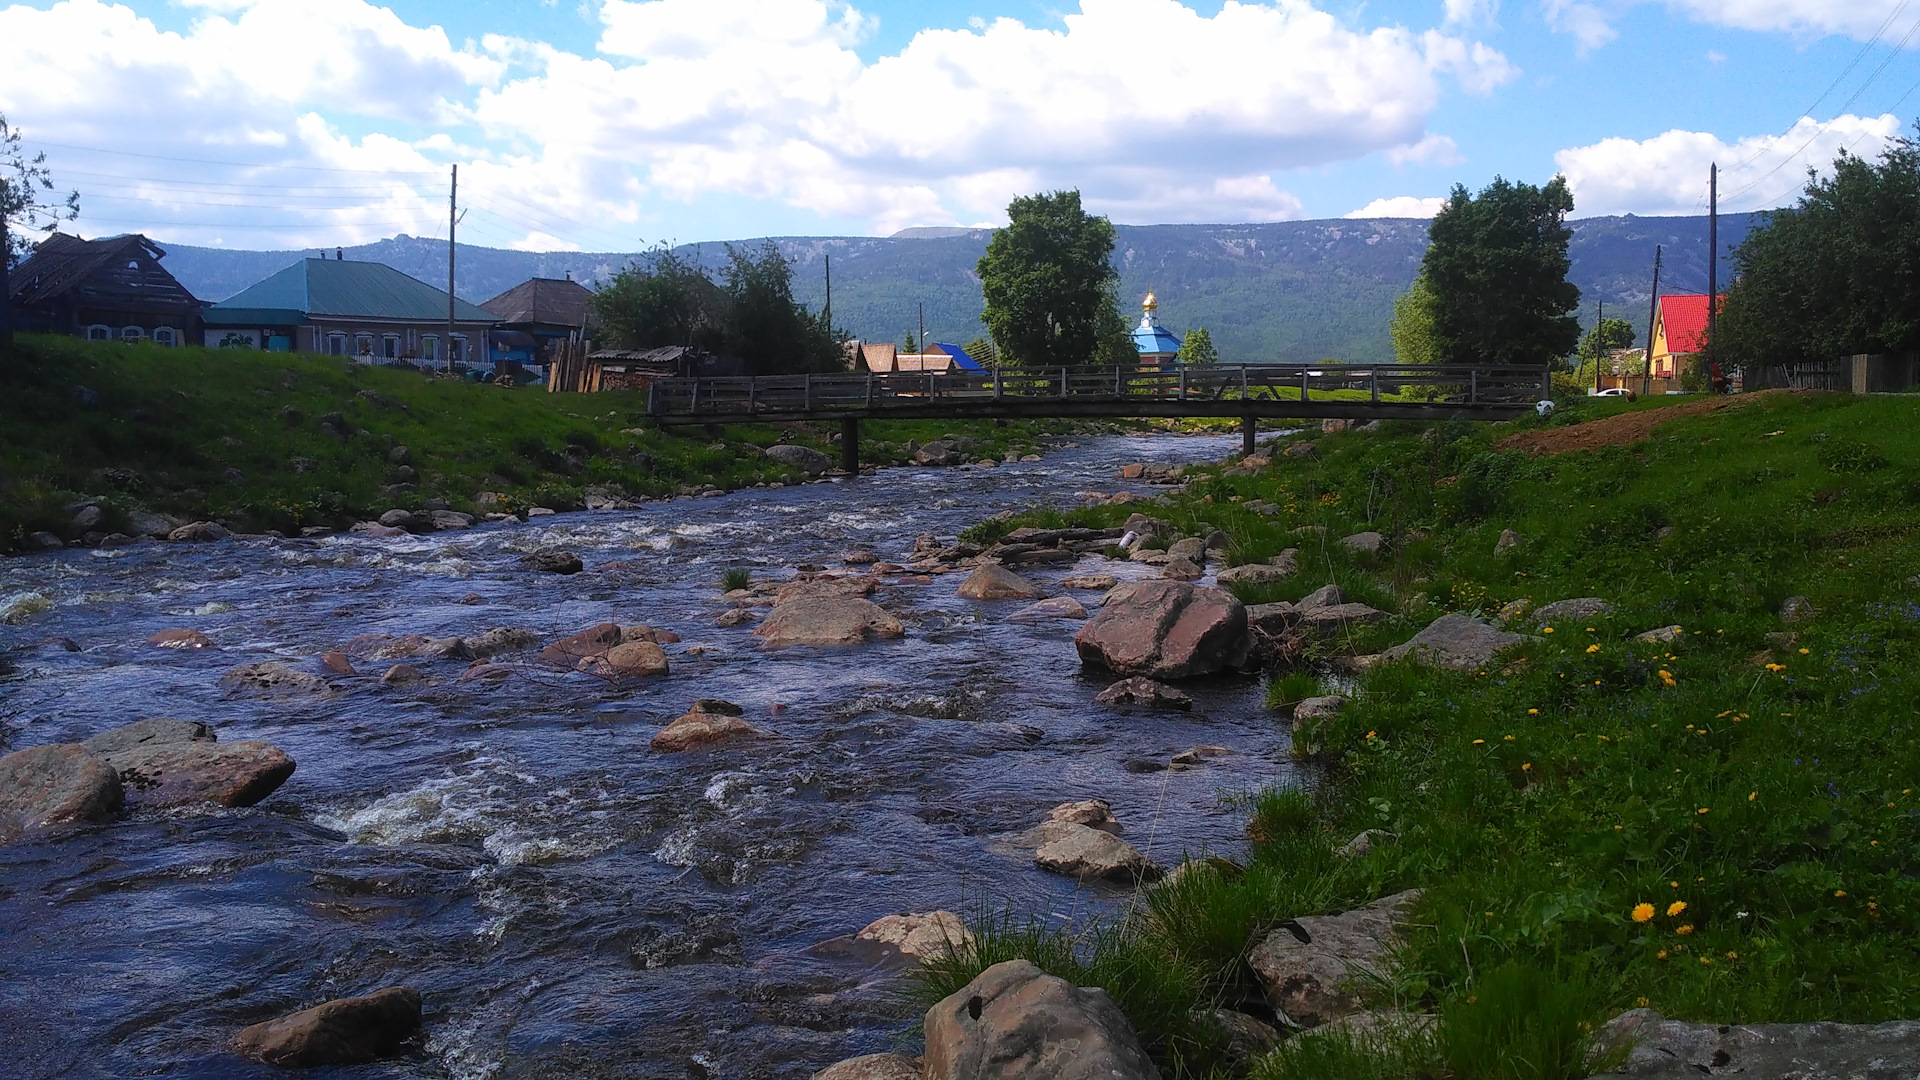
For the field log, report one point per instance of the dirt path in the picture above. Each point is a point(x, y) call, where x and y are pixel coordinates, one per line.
point(1620, 430)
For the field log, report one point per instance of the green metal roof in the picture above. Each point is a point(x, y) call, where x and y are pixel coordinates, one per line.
point(223, 315)
point(366, 290)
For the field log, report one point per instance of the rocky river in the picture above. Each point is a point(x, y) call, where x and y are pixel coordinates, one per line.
point(568, 901)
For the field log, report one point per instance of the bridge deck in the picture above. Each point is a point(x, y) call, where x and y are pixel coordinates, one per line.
point(1476, 392)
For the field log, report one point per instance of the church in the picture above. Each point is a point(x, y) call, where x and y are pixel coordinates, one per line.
point(1156, 343)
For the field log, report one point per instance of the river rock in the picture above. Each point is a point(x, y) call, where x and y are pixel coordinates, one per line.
point(345, 1031)
point(150, 525)
point(335, 662)
point(827, 624)
point(450, 520)
point(1084, 852)
point(872, 1067)
point(1363, 844)
point(1795, 610)
point(1058, 607)
point(628, 660)
point(938, 453)
point(1661, 635)
point(86, 518)
point(1324, 596)
point(923, 936)
point(163, 763)
point(1093, 813)
point(1332, 618)
point(1167, 630)
point(1579, 609)
point(53, 785)
point(1363, 543)
point(735, 616)
point(1096, 582)
point(199, 532)
point(385, 646)
point(552, 561)
point(272, 677)
point(1665, 1049)
point(1181, 568)
point(1453, 641)
point(1317, 708)
point(1192, 548)
point(991, 581)
point(837, 588)
point(1507, 542)
point(1015, 1022)
point(402, 518)
point(1144, 694)
point(402, 675)
point(569, 651)
point(700, 728)
point(376, 530)
point(501, 639)
point(1316, 968)
point(1273, 619)
point(804, 458)
point(180, 639)
point(1299, 450)
point(1252, 574)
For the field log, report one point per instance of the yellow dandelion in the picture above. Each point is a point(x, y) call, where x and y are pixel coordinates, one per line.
point(1509, 738)
point(1702, 810)
point(1676, 908)
point(1479, 742)
point(1752, 796)
point(1731, 955)
point(1706, 961)
point(1526, 767)
point(1533, 712)
point(1662, 955)
point(1642, 912)
point(1840, 893)
point(1806, 652)
point(1683, 931)
point(1594, 648)
point(1546, 629)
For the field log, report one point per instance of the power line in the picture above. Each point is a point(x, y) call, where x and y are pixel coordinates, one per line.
point(235, 164)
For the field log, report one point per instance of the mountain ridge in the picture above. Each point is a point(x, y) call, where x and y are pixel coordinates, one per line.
point(1292, 291)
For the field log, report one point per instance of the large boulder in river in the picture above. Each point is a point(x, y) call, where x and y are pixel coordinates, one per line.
point(920, 935)
point(833, 588)
point(273, 678)
point(1453, 641)
point(872, 1067)
point(991, 581)
point(345, 1031)
point(53, 785)
point(706, 723)
point(1015, 1022)
point(199, 532)
point(552, 561)
point(163, 762)
point(594, 641)
point(628, 660)
point(804, 458)
point(1088, 853)
point(1319, 968)
point(827, 623)
point(1167, 630)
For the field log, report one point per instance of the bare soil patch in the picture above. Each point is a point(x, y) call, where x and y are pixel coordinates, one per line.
point(1621, 430)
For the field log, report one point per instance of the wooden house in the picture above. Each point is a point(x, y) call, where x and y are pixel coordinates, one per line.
point(111, 289)
point(365, 310)
point(535, 315)
point(1679, 331)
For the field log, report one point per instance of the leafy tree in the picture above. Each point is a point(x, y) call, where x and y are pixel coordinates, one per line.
point(667, 300)
point(983, 352)
point(1415, 327)
point(1049, 285)
point(25, 206)
point(1196, 349)
point(1113, 335)
point(1497, 266)
point(1835, 274)
point(1606, 336)
point(766, 327)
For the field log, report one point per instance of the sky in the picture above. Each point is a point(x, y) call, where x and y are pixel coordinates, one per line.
point(613, 125)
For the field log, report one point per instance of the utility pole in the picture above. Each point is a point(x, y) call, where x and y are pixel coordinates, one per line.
point(1653, 314)
point(453, 192)
point(1713, 262)
point(827, 313)
point(1599, 321)
point(921, 341)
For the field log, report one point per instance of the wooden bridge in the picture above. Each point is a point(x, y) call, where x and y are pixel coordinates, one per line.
point(1247, 392)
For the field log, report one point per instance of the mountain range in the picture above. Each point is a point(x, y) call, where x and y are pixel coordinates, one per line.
point(1292, 291)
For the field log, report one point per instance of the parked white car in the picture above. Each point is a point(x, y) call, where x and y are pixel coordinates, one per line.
point(1614, 391)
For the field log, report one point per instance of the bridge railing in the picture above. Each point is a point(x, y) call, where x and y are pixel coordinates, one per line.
point(870, 392)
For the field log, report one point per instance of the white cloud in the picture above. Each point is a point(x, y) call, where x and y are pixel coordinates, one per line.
point(1667, 174)
point(688, 100)
point(1471, 12)
point(1590, 23)
point(1586, 23)
point(1401, 206)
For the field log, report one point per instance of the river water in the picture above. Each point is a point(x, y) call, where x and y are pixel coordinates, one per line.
point(568, 902)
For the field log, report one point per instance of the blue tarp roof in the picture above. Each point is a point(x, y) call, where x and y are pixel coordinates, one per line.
point(354, 290)
point(960, 357)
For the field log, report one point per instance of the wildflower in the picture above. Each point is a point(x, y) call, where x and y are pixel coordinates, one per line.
point(1840, 893)
point(1776, 668)
point(1371, 734)
point(1642, 912)
point(1675, 884)
point(1706, 961)
point(1753, 796)
point(1703, 809)
point(1526, 767)
point(1676, 908)
point(1546, 629)
point(1479, 742)
point(1533, 712)
point(1663, 955)
point(1642, 1002)
point(1509, 738)
point(1806, 652)
point(1683, 931)
point(1731, 955)
point(1594, 648)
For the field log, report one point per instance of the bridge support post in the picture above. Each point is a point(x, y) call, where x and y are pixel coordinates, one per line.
point(1246, 435)
point(850, 446)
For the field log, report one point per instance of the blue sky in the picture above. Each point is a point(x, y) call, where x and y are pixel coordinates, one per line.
point(610, 124)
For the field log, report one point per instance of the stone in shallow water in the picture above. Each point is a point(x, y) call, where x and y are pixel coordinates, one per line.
point(180, 639)
point(827, 624)
point(1015, 1022)
point(1086, 853)
point(1146, 694)
point(991, 581)
point(872, 1067)
point(1058, 607)
point(921, 935)
point(1166, 630)
point(345, 1031)
point(54, 785)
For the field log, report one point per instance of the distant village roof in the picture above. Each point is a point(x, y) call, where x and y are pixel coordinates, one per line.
point(1150, 337)
point(333, 287)
point(549, 301)
point(1685, 319)
point(61, 263)
point(960, 358)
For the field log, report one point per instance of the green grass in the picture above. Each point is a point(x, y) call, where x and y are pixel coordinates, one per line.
point(281, 441)
point(1540, 801)
point(735, 578)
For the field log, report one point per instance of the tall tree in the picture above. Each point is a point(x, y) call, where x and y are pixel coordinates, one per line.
point(983, 352)
point(1049, 285)
point(1835, 274)
point(1606, 336)
point(1415, 327)
point(666, 300)
point(26, 205)
point(1196, 349)
point(1497, 265)
point(770, 330)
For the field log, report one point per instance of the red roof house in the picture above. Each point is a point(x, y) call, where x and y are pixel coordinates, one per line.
point(1679, 329)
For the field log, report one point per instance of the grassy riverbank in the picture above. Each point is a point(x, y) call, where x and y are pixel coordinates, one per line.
point(1722, 827)
point(282, 441)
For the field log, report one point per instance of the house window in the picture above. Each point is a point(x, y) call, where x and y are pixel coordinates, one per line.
point(336, 344)
point(99, 332)
point(363, 345)
point(165, 336)
point(457, 352)
point(132, 333)
point(429, 347)
point(390, 346)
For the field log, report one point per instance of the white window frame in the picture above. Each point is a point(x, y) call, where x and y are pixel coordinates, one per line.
point(390, 346)
point(132, 333)
point(99, 332)
point(430, 348)
point(336, 343)
point(171, 340)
